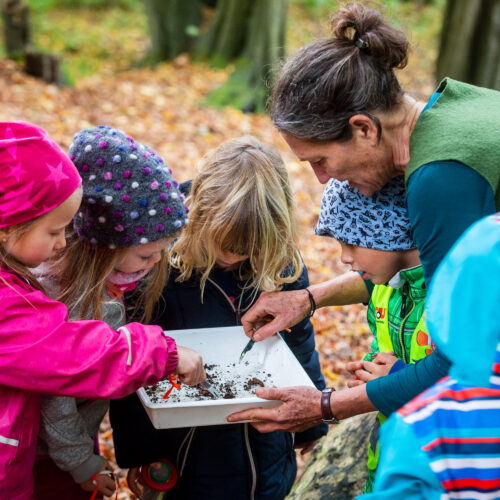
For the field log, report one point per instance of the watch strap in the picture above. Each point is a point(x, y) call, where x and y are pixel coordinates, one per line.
point(326, 410)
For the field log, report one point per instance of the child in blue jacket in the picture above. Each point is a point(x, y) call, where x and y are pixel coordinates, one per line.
point(238, 243)
point(446, 442)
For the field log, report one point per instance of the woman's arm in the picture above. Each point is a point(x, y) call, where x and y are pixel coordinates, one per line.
point(288, 308)
point(444, 199)
point(391, 392)
point(301, 408)
point(301, 341)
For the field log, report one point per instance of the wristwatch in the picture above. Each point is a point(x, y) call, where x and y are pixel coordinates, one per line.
point(326, 410)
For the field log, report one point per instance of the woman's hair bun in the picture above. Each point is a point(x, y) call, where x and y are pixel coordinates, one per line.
point(387, 45)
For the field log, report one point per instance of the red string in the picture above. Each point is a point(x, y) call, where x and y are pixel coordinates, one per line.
point(172, 379)
point(94, 494)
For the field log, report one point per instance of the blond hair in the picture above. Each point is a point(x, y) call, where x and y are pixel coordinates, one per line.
point(82, 271)
point(241, 202)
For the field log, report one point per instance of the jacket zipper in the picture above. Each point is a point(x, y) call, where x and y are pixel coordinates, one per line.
point(237, 312)
point(405, 317)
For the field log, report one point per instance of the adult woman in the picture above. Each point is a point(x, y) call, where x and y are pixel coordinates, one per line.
point(358, 125)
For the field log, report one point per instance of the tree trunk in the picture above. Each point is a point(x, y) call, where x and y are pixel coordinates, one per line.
point(247, 87)
point(470, 42)
point(16, 28)
point(225, 38)
point(173, 25)
point(44, 66)
point(337, 468)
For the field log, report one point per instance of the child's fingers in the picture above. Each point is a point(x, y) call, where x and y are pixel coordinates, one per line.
point(105, 483)
point(107, 489)
point(354, 383)
point(352, 366)
point(133, 481)
point(364, 375)
point(384, 357)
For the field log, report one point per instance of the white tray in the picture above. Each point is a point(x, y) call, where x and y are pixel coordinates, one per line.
point(223, 346)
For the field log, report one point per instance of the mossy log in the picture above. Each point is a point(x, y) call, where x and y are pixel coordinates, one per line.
point(336, 468)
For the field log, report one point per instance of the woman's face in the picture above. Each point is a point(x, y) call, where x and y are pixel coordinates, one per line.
point(366, 164)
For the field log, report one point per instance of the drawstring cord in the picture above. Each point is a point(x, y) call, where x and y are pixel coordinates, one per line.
point(108, 473)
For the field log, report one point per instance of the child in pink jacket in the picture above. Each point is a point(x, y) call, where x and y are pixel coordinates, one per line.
point(113, 247)
point(40, 350)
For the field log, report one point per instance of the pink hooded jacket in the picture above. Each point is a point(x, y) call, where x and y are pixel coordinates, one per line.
point(42, 352)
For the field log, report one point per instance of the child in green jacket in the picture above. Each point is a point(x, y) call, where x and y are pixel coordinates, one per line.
point(374, 235)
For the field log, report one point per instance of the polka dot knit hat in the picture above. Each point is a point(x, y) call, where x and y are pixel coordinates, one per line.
point(129, 195)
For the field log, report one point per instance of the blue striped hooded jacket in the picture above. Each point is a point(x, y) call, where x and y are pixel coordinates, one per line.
point(445, 444)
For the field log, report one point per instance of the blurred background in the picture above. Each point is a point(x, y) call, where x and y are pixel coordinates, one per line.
point(185, 75)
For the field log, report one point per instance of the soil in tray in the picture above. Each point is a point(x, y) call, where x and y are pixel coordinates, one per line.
point(225, 380)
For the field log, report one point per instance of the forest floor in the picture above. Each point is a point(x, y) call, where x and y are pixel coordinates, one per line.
point(161, 107)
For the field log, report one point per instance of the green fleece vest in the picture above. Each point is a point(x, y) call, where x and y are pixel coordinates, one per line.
point(463, 125)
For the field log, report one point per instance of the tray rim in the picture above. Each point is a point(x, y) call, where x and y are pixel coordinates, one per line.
point(143, 396)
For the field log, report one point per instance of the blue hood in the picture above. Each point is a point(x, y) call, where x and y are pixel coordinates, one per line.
point(463, 313)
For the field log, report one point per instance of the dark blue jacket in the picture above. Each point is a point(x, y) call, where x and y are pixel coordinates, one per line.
point(233, 462)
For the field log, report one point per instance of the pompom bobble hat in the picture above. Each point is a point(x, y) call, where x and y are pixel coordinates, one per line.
point(36, 175)
point(379, 221)
point(129, 195)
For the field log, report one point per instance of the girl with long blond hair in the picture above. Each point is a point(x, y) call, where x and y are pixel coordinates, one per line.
point(240, 242)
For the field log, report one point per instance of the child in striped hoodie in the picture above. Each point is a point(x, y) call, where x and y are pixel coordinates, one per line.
point(446, 442)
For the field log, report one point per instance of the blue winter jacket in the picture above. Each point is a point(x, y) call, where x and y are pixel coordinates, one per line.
point(446, 442)
point(233, 462)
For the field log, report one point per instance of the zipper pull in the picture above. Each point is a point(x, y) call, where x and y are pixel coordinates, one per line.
point(403, 305)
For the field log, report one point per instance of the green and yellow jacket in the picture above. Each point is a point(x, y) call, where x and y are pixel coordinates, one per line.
point(396, 317)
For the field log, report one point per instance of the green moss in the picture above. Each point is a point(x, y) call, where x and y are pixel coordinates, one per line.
point(239, 91)
point(100, 36)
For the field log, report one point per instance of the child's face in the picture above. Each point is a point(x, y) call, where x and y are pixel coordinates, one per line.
point(45, 237)
point(378, 266)
point(138, 260)
point(229, 261)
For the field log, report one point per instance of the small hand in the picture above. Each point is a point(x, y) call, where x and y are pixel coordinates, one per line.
point(370, 370)
point(301, 409)
point(104, 481)
point(134, 479)
point(190, 366)
point(305, 447)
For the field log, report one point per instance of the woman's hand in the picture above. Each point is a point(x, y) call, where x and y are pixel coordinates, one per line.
point(285, 308)
point(301, 409)
point(104, 481)
point(370, 370)
point(190, 366)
